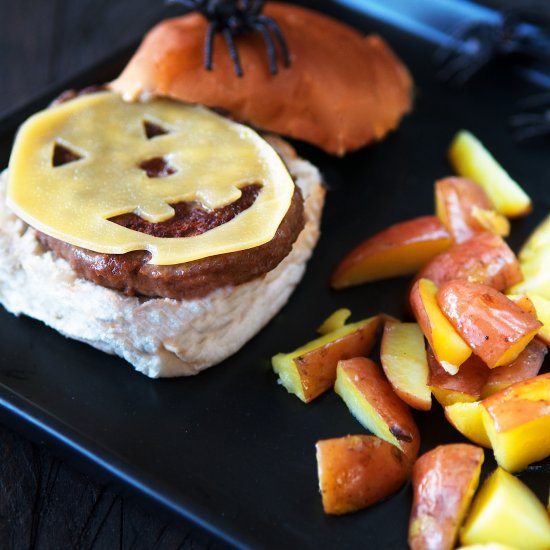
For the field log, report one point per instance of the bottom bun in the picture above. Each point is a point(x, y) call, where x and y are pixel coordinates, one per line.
point(158, 336)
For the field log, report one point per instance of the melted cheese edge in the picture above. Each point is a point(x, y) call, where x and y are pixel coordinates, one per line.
point(213, 158)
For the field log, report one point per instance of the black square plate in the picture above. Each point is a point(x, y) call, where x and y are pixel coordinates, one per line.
point(230, 449)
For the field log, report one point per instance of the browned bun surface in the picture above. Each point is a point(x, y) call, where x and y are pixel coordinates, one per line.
point(342, 90)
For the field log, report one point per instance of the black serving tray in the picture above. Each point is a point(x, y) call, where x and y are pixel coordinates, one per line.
point(230, 449)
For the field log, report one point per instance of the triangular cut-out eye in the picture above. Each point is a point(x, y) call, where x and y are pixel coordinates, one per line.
point(63, 155)
point(157, 167)
point(153, 130)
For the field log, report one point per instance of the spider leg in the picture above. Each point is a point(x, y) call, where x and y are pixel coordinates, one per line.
point(457, 43)
point(460, 69)
point(538, 100)
point(228, 35)
point(254, 7)
point(474, 46)
point(213, 28)
point(270, 46)
point(529, 125)
point(527, 119)
point(274, 27)
point(533, 131)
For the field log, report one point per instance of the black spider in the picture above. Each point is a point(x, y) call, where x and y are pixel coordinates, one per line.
point(521, 32)
point(234, 17)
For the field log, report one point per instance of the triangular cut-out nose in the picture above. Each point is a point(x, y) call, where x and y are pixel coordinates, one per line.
point(63, 155)
point(157, 167)
point(153, 130)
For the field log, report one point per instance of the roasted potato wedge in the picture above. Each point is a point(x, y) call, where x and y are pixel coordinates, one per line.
point(465, 385)
point(310, 370)
point(505, 511)
point(517, 422)
point(526, 366)
point(485, 259)
point(401, 249)
point(448, 347)
point(492, 325)
point(465, 209)
point(542, 313)
point(357, 471)
point(472, 160)
point(370, 398)
point(467, 418)
point(334, 321)
point(403, 357)
point(444, 481)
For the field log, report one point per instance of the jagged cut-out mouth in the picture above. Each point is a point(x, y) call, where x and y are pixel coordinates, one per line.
point(191, 218)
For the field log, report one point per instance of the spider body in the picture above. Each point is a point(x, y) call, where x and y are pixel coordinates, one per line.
point(232, 18)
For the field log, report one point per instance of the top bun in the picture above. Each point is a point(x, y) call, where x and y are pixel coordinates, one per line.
point(342, 90)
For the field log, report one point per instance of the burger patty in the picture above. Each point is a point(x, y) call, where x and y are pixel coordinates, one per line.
point(132, 274)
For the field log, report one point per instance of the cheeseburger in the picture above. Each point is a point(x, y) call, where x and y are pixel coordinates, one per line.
point(136, 219)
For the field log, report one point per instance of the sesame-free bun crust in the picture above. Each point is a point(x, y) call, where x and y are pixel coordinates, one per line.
point(342, 90)
point(158, 336)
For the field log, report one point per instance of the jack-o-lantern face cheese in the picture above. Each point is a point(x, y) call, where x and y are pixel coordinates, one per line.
point(201, 158)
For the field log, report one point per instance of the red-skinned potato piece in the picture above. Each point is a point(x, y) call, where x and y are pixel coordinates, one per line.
point(444, 481)
point(517, 422)
point(485, 259)
point(403, 358)
point(466, 385)
point(310, 370)
point(455, 198)
point(371, 399)
point(401, 249)
point(527, 365)
point(357, 471)
point(447, 345)
point(494, 327)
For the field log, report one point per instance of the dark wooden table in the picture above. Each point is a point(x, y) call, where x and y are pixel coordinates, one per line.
point(45, 503)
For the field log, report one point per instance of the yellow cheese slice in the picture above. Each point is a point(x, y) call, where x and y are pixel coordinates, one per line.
point(212, 157)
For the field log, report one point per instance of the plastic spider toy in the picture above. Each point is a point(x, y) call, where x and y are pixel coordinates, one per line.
point(234, 17)
point(521, 32)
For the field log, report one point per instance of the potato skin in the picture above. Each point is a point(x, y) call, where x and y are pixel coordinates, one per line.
point(526, 366)
point(403, 358)
point(375, 389)
point(444, 340)
point(401, 249)
point(492, 325)
point(520, 403)
point(357, 471)
point(469, 380)
point(517, 422)
point(317, 368)
point(444, 481)
point(455, 198)
point(311, 369)
point(485, 259)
